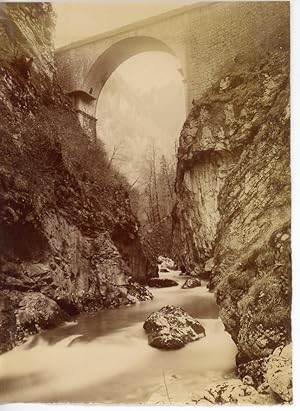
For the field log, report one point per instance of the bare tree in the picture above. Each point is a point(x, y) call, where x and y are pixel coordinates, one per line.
point(155, 185)
point(168, 179)
point(134, 183)
point(115, 155)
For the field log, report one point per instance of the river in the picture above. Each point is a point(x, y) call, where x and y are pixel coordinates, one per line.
point(104, 357)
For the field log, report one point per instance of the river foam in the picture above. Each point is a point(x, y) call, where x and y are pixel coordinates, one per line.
point(104, 357)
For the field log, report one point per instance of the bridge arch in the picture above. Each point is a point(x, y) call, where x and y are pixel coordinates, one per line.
point(85, 99)
point(206, 37)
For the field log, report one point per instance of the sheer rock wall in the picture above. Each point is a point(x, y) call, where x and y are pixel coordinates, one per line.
point(232, 217)
point(63, 217)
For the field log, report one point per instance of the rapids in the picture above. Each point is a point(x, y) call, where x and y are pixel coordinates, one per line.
point(104, 357)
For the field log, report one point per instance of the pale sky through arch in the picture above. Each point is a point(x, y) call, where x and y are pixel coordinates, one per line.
point(144, 74)
point(78, 20)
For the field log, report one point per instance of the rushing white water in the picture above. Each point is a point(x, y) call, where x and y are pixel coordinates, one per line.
point(104, 357)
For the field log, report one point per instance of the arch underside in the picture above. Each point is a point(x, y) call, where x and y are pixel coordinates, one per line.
point(115, 55)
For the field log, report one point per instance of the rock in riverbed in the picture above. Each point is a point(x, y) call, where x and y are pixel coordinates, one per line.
point(192, 283)
point(276, 388)
point(36, 311)
point(161, 282)
point(171, 328)
point(279, 373)
point(232, 391)
point(164, 270)
point(137, 293)
point(166, 264)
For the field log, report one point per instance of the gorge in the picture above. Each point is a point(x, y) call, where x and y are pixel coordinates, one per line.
point(74, 272)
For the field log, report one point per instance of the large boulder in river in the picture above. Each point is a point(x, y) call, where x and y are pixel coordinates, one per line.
point(161, 282)
point(36, 311)
point(171, 328)
point(192, 283)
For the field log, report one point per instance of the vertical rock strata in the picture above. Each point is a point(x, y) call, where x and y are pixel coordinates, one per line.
point(65, 217)
point(232, 217)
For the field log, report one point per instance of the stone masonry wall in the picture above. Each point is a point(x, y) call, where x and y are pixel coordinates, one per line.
point(206, 38)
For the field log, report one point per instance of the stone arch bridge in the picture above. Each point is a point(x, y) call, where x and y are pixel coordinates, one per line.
point(206, 38)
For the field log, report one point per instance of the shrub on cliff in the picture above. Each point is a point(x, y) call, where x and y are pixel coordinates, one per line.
point(51, 152)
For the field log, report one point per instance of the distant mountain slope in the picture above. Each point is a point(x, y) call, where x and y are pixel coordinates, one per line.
point(133, 121)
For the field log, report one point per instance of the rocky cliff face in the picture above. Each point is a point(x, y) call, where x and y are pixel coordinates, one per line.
point(68, 237)
point(232, 217)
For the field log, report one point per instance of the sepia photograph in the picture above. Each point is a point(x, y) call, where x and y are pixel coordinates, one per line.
point(145, 203)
